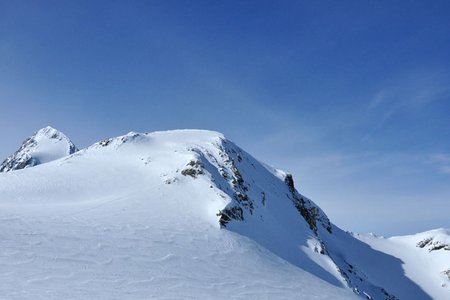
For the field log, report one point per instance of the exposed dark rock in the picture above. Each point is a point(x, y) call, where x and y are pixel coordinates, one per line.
point(307, 210)
point(105, 143)
point(223, 173)
point(433, 245)
point(227, 214)
point(170, 180)
point(388, 296)
point(356, 279)
point(229, 171)
point(244, 201)
point(447, 273)
point(193, 169)
point(241, 197)
point(424, 242)
point(290, 182)
point(238, 180)
point(437, 247)
point(320, 248)
point(308, 214)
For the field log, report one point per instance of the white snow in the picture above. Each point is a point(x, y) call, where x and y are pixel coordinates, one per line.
point(51, 145)
point(423, 267)
point(118, 220)
point(45, 145)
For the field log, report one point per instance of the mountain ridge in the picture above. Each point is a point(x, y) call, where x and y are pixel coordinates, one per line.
point(195, 175)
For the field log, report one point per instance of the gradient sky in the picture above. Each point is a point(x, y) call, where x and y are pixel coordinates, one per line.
point(352, 97)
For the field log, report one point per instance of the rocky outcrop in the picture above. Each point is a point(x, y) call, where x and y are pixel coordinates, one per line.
point(432, 245)
point(228, 214)
point(310, 212)
point(193, 169)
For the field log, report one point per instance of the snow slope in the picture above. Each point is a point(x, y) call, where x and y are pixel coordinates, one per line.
point(44, 145)
point(187, 214)
point(425, 260)
point(119, 220)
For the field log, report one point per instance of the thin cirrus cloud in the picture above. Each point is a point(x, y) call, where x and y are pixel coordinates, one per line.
point(442, 162)
point(413, 91)
point(408, 110)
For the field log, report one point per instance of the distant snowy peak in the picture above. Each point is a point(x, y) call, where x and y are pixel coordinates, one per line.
point(43, 146)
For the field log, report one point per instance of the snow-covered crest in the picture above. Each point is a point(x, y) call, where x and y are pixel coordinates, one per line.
point(44, 145)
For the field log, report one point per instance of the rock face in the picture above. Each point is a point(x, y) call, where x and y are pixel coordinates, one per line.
point(432, 245)
point(43, 146)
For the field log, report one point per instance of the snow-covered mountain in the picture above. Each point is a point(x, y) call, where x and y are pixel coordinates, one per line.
point(187, 214)
point(44, 145)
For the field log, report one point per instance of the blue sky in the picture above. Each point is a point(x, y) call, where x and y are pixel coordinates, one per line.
point(352, 97)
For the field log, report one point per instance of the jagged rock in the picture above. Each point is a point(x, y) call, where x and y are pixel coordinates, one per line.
point(424, 242)
point(447, 273)
point(289, 180)
point(356, 279)
point(105, 143)
point(307, 210)
point(433, 245)
point(228, 214)
point(193, 169)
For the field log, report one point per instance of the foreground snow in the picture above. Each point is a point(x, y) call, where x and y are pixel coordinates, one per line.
point(189, 215)
point(105, 224)
point(78, 254)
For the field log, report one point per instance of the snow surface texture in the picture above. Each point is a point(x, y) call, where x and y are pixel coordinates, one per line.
point(43, 146)
point(187, 214)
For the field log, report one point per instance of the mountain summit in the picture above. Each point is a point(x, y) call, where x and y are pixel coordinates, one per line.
point(44, 145)
point(187, 214)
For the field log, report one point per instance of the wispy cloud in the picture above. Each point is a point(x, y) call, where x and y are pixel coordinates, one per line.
point(441, 157)
point(445, 169)
point(442, 162)
point(411, 92)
